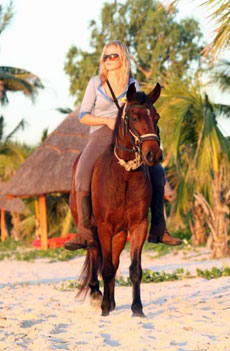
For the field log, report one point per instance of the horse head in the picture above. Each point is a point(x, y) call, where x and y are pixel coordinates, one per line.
point(140, 123)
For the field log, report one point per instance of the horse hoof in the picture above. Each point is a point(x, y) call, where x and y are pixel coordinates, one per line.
point(112, 308)
point(96, 299)
point(139, 314)
point(105, 313)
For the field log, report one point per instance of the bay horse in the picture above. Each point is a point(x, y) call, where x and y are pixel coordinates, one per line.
point(121, 195)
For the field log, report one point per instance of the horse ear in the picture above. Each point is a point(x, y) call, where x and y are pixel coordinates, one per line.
point(155, 93)
point(131, 93)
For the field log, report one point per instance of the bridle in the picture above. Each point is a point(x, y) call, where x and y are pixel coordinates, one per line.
point(135, 138)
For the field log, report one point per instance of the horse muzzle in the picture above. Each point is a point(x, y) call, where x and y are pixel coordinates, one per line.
point(152, 156)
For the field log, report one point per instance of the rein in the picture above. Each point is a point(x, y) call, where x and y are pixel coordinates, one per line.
point(136, 140)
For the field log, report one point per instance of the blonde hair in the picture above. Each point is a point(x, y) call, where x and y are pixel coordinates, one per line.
point(125, 70)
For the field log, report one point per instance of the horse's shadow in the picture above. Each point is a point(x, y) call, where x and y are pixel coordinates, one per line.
point(109, 341)
point(149, 315)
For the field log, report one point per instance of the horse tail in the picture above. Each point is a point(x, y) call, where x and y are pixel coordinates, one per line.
point(72, 197)
point(92, 268)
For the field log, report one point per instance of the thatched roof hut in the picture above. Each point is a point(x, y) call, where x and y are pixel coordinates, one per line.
point(49, 168)
point(10, 205)
point(13, 205)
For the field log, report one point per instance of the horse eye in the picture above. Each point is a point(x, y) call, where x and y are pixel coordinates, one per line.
point(133, 119)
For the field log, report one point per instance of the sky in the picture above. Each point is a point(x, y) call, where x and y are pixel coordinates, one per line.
point(38, 39)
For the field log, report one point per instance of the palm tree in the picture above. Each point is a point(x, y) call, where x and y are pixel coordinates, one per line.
point(221, 17)
point(198, 150)
point(12, 154)
point(16, 79)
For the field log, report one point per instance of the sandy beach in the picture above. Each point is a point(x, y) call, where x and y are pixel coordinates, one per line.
point(186, 315)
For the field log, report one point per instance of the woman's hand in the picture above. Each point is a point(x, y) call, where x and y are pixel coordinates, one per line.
point(110, 123)
point(98, 121)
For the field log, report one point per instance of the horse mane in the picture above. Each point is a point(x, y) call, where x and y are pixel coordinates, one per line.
point(141, 98)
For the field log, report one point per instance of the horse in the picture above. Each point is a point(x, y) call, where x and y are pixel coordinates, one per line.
point(121, 194)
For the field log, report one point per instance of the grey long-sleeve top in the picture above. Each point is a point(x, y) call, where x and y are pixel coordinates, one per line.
point(97, 103)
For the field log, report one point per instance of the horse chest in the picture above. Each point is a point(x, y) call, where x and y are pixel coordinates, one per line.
point(128, 199)
point(119, 197)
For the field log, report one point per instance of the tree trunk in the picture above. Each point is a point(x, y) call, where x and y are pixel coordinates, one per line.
point(43, 222)
point(219, 246)
point(15, 221)
point(4, 232)
point(199, 236)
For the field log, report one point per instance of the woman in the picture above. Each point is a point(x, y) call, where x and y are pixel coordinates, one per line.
point(99, 111)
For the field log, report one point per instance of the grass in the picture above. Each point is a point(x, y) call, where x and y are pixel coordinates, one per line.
point(149, 276)
point(15, 250)
point(158, 249)
point(161, 249)
point(10, 245)
point(214, 272)
point(11, 249)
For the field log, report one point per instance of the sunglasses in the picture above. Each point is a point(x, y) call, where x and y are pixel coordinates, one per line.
point(111, 57)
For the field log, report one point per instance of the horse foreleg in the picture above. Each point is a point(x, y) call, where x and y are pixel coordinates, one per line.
point(108, 271)
point(118, 244)
point(137, 239)
point(95, 268)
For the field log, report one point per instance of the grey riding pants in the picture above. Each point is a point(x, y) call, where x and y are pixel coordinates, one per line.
point(99, 141)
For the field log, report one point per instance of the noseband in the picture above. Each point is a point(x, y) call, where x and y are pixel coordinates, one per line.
point(136, 140)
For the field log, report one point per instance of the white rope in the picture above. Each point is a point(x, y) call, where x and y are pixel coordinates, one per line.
point(129, 165)
point(142, 136)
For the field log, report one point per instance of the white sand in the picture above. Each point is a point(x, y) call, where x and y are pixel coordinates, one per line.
point(187, 315)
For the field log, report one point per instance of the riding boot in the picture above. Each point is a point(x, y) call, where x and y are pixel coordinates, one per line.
point(158, 231)
point(85, 238)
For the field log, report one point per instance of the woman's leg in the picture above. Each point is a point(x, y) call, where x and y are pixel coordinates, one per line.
point(98, 143)
point(158, 230)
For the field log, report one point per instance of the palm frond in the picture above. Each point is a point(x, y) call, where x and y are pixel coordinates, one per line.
point(65, 110)
point(221, 17)
point(1, 128)
point(6, 139)
point(20, 125)
point(12, 155)
point(15, 79)
point(5, 17)
point(44, 134)
point(222, 109)
point(22, 74)
point(221, 75)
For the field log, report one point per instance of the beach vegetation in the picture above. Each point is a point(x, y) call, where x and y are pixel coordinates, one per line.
point(149, 276)
point(17, 250)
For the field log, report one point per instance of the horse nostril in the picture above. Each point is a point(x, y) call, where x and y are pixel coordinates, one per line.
point(150, 156)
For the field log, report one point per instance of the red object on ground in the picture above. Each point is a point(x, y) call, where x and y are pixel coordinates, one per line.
point(54, 242)
point(58, 242)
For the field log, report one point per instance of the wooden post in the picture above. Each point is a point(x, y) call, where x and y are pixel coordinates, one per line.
point(36, 205)
point(3, 226)
point(43, 222)
point(15, 221)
